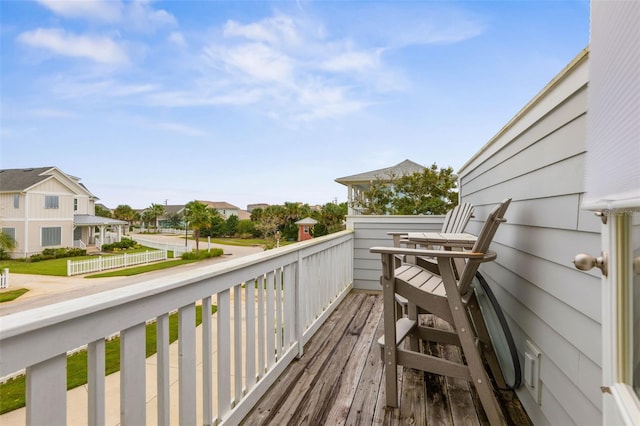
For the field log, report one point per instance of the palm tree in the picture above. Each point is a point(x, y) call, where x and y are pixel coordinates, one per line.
point(197, 215)
point(156, 210)
point(124, 212)
point(7, 243)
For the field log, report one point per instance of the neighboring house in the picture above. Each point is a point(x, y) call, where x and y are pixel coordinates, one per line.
point(170, 210)
point(252, 207)
point(47, 208)
point(225, 209)
point(358, 184)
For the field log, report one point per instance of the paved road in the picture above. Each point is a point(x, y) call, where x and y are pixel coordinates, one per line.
point(46, 290)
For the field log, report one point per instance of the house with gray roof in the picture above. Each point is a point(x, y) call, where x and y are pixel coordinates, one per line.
point(44, 207)
point(357, 184)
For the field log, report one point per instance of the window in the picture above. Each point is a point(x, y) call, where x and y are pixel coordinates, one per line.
point(75, 204)
point(51, 236)
point(16, 201)
point(10, 232)
point(50, 201)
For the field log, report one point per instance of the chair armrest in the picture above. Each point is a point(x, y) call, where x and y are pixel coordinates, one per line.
point(434, 253)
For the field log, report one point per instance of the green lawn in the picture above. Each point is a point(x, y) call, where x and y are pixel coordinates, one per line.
point(12, 393)
point(55, 267)
point(8, 296)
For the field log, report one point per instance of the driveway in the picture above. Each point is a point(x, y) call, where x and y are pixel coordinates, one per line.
point(46, 289)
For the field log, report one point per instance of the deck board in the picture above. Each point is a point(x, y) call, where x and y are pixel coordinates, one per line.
point(340, 380)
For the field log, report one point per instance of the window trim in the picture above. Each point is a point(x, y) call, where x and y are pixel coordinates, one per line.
point(44, 243)
point(51, 202)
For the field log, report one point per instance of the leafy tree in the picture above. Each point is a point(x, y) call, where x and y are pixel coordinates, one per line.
point(102, 212)
point(330, 219)
point(256, 214)
point(377, 198)
point(432, 191)
point(271, 219)
point(124, 212)
point(247, 228)
point(156, 210)
point(231, 225)
point(174, 220)
point(198, 215)
point(147, 218)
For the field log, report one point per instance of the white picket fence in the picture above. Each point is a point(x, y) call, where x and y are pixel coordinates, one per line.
point(4, 278)
point(101, 263)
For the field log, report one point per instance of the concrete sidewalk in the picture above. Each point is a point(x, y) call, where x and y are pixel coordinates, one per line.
point(46, 289)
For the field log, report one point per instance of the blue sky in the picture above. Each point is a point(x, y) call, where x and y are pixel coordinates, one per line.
point(258, 101)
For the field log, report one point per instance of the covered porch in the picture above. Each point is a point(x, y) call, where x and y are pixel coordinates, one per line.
point(85, 235)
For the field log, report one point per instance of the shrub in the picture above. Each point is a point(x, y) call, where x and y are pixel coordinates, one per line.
point(126, 243)
point(203, 254)
point(57, 253)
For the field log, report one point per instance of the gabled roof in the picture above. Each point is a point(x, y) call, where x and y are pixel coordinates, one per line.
point(21, 180)
point(407, 167)
point(219, 205)
point(17, 180)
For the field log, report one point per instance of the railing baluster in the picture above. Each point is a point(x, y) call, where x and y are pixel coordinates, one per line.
point(224, 355)
point(95, 382)
point(46, 392)
point(237, 341)
point(187, 364)
point(260, 283)
point(250, 334)
point(278, 300)
point(132, 376)
point(162, 348)
point(271, 356)
point(207, 370)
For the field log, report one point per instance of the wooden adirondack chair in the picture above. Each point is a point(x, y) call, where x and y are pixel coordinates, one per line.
point(455, 221)
point(450, 297)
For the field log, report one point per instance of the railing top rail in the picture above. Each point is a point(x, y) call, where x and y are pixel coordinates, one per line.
point(164, 294)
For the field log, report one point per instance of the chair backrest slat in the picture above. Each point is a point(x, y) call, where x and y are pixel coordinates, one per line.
point(457, 218)
point(488, 231)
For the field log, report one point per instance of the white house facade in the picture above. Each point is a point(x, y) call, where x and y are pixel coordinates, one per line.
point(46, 208)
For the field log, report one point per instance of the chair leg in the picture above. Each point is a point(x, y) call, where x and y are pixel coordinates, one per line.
point(485, 340)
point(389, 317)
point(467, 342)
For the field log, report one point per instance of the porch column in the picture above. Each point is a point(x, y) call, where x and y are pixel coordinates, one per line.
point(102, 228)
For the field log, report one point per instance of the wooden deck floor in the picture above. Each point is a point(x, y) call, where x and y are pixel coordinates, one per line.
point(339, 380)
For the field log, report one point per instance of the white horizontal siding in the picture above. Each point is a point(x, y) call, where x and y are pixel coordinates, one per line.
point(538, 160)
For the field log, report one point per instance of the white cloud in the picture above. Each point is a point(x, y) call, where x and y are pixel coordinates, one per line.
point(100, 10)
point(137, 15)
point(354, 61)
point(140, 16)
point(276, 30)
point(256, 61)
point(97, 48)
point(177, 38)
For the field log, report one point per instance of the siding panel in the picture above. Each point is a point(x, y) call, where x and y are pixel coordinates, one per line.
point(538, 161)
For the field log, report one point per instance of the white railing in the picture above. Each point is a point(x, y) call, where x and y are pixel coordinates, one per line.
point(177, 249)
point(98, 244)
point(79, 244)
point(268, 306)
point(102, 263)
point(4, 278)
